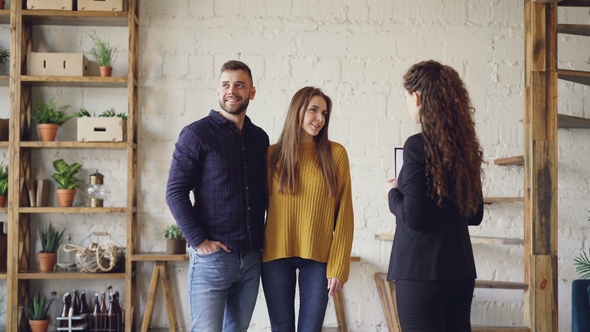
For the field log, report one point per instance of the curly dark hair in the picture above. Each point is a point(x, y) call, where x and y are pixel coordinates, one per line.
point(454, 156)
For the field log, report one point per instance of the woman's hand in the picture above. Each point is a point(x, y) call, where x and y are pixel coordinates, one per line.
point(389, 184)
point(334, 286)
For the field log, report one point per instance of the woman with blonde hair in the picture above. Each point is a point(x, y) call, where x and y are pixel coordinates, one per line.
point(309, 225)
point(437, 194)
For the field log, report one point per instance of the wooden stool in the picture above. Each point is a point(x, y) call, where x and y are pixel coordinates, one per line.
point(339, 307)
point(160, 272)
point(386, 291)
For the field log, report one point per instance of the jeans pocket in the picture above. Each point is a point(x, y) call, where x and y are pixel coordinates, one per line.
point(208, 254)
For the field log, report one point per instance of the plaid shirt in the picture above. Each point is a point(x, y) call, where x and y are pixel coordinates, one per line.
point(226, 173)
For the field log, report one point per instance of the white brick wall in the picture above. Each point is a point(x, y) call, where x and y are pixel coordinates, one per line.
point(356, 51)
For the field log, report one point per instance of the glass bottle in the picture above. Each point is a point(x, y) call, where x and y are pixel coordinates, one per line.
point(103, 312)
point(66, 260)
point(84, 309)
point(95, 320)
point(75, 303)
point(66, 309)
point(112, 314)
point(121, 314)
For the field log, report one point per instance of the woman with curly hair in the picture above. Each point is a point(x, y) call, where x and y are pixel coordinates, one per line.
point(436, 195)
point(310, 223)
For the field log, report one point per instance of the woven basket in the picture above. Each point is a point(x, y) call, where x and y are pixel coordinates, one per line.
point(175, 246)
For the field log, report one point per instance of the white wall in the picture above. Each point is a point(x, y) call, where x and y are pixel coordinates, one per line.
point(357, 52)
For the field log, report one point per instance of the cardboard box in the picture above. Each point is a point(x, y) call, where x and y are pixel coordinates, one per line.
point(103, 5)
point(98, 129)
point(51, 4)
point(57, 64)
point(3, 129)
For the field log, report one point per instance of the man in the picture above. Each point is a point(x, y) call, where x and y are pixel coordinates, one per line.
point(221, 159)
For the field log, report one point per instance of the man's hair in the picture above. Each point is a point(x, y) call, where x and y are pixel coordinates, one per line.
point(232, 65)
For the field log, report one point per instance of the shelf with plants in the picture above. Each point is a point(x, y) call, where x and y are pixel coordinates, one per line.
point(26, 153)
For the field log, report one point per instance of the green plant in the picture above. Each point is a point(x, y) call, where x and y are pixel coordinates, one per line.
point(4, 57)
point(65, 174)
point(50, 239)
point(50, 112)
point(82, 113)
point(110, 113)
point(3, 179)
point(102, 51)
point(582, 263)
point(172, 232)
point(36, 308)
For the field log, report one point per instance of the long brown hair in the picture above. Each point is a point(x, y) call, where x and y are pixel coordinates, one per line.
point(453, 154)
point(284, 160)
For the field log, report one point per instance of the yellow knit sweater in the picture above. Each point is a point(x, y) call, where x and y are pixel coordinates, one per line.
point(310, 224)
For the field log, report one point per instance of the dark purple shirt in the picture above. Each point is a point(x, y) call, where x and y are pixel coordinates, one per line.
point(226, 172)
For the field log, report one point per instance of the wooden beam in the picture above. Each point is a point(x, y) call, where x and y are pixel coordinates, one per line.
point(540, 164)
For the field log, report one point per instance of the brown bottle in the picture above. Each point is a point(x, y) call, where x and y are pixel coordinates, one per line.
point(103, 312)
point(84, 309)
point(75, 303)
point(65, 310)
point(95, 319)
point(113, 316)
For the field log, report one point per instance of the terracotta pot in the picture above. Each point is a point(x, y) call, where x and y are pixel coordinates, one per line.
point(105, 71)
point(65, 197)
point(3, 201)
point(39, 325)
point(47, 260)
point(175, 246)
point(48, 131)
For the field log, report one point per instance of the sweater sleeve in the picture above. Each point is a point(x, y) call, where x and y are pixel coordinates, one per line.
point(339, 258)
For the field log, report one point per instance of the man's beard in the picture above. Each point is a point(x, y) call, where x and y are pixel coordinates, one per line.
point(235, 110)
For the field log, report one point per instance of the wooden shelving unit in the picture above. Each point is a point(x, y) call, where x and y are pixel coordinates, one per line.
point(20, 270)
point(510, 161)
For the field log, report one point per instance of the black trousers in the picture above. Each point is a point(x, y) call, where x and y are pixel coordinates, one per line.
point(434, 305)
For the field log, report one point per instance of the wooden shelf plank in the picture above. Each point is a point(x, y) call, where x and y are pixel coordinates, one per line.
point(492, 200)
point(474, 240)
point(76, 145)
point(4, 80)
point(157, 256)
point(580, 77)
point(3, 276)
point(496, 240)
point(77, 18)
point(76, 81)
point(567, 121)
point(4, 16)
point(574, 3)
point(38, 275)
point(518, 161)
point(483, 328)
point(73, 210)
point(574, 29)
point(500, 284)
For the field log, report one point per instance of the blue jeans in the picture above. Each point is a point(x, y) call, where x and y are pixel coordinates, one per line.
point(278, 281)
point(222, 289)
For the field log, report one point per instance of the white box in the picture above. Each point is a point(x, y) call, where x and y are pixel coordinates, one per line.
point(102, 5)
point(100, 129)
point(51, 4)
point(57, 64)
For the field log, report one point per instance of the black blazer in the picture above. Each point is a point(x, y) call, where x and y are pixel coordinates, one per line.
point(430, 242)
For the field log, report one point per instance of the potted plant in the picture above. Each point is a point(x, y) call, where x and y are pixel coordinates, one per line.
point(109, 126)
point(66, 181)
point(37, 309)
point(581, 293)
point(49, 117)
point(175, 241)
point(50, 239)
point(104, 53)
point(3, 184)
